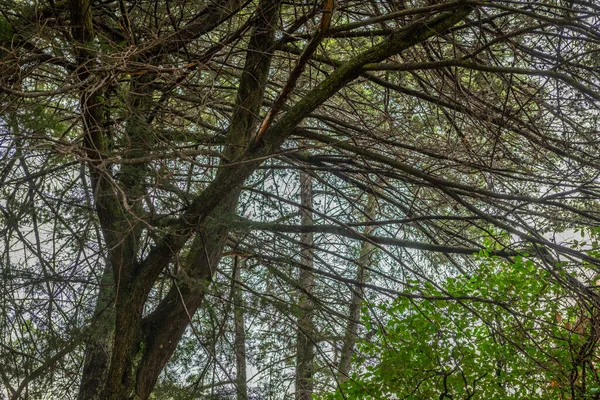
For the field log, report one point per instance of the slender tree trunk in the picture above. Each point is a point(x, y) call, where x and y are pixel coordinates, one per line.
point(240, 333)
point(305, 347)
point(364, 261)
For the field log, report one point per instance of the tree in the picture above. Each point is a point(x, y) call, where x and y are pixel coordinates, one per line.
point(142, 142)
point(506, 332)
point(240, 336)
point(305, 336)
point(365, 261)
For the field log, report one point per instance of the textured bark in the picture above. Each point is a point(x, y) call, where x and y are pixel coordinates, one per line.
point(240, 334)
point(305, 345)
point(358, 294)
point(96, 362)
point(81, 21)
point(120, 226)
point(127, 344)
point(99, 346)
point(163, 328)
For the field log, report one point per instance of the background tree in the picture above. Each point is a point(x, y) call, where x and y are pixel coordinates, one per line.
point(306, 333)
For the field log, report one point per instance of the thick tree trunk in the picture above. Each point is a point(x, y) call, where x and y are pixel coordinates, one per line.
point(163, 328)
point(109, 210)
point(305, 346)
point(240, 333)
point(121, 374)
point(99, 346)
point(143, 347)
point(364, 261)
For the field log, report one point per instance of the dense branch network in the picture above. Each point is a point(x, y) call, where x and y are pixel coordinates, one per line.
point(145, 143)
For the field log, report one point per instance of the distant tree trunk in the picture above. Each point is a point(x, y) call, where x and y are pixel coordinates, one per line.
point(364, 261)
point(240, 332)
point(305, 347)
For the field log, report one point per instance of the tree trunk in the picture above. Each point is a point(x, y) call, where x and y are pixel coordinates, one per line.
point(240, 332)
point(305, 346)
point(98, 348)
point(143, 347)
point(364, 261)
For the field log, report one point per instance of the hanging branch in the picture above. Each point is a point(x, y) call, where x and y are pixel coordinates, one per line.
point(298, 69)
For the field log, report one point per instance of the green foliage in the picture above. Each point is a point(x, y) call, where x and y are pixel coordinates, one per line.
point(42, 120)
point(6, 31)
point(506, 332)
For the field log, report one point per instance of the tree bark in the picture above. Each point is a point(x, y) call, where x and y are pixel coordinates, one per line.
point(110, 214)
point(305, 345)
point(98, 347)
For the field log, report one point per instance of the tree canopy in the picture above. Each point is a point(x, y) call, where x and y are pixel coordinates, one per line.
point(189, 189)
